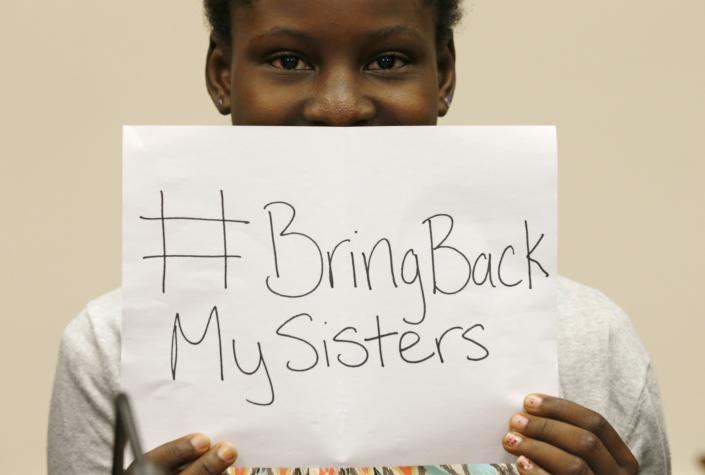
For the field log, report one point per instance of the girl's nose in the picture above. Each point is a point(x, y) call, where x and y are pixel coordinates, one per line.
point(337, 100)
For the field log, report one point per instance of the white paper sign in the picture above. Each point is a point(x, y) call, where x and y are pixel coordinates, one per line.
point(339, 297)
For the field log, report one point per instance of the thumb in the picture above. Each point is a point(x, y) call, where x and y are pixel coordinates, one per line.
point(179, 452)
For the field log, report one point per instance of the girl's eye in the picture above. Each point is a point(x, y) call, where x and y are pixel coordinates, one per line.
point(290, 62)
point(387, 62)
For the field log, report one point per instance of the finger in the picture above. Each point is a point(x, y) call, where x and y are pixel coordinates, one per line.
point(572, 439)
point(213, 462)
point(179, 452)
point(577, 415)
point(526, 466)
point(552, 459)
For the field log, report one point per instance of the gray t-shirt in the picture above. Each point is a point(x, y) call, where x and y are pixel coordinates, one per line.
point(602, 366)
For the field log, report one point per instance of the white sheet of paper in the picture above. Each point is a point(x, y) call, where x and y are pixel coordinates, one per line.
point(320, 352)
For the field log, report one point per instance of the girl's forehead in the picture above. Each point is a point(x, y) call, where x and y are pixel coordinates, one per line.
point(333, 18)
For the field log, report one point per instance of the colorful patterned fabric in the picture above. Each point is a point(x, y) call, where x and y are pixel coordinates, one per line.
point(487, 469)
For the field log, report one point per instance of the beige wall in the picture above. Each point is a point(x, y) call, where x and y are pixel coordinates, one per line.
point(624, 80)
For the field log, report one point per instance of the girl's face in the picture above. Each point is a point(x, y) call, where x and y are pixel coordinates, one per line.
point(332, 63)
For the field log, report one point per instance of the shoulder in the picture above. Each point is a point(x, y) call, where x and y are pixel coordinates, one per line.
point(97, 327)
point(90, 345)
point(591, 324)
point(586, 315)
point(578, 302)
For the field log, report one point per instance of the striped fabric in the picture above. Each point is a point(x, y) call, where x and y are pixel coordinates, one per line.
point(485, 469)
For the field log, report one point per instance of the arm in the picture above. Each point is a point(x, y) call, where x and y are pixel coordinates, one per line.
point(81, 415)
point(611, 405)
point(81, 419)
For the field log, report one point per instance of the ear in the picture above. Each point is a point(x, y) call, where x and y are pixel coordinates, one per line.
point(218, 76)
point(446, 75)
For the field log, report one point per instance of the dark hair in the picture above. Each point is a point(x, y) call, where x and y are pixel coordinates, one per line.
point(218, 14)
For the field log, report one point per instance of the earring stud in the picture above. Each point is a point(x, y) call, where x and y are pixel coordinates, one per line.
point(220, 101)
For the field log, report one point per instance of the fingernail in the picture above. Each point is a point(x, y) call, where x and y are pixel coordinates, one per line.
point(200, 442)
point(519, 421)
point(512, 439)
point(226, 453)
point(525, 463)
point(532, 401)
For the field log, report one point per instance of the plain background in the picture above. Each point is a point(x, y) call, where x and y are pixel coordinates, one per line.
point(624, 81)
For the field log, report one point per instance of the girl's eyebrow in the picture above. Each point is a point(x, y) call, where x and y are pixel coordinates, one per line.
point(384, 33)
point(281, 31)
point(399, 30)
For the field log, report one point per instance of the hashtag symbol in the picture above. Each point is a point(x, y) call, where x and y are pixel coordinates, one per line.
point(164, 256)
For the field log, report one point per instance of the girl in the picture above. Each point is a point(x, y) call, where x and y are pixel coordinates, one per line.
point(371, 62)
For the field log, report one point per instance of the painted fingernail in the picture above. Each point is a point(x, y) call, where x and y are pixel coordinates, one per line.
point(533, 401)
point(525, 463)
point(226, 453)
point(512, 439)
point(519, 421)
point(200, 442)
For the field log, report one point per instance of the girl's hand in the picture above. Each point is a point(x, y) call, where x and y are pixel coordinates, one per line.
point(192, 455)
point(557, 436)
